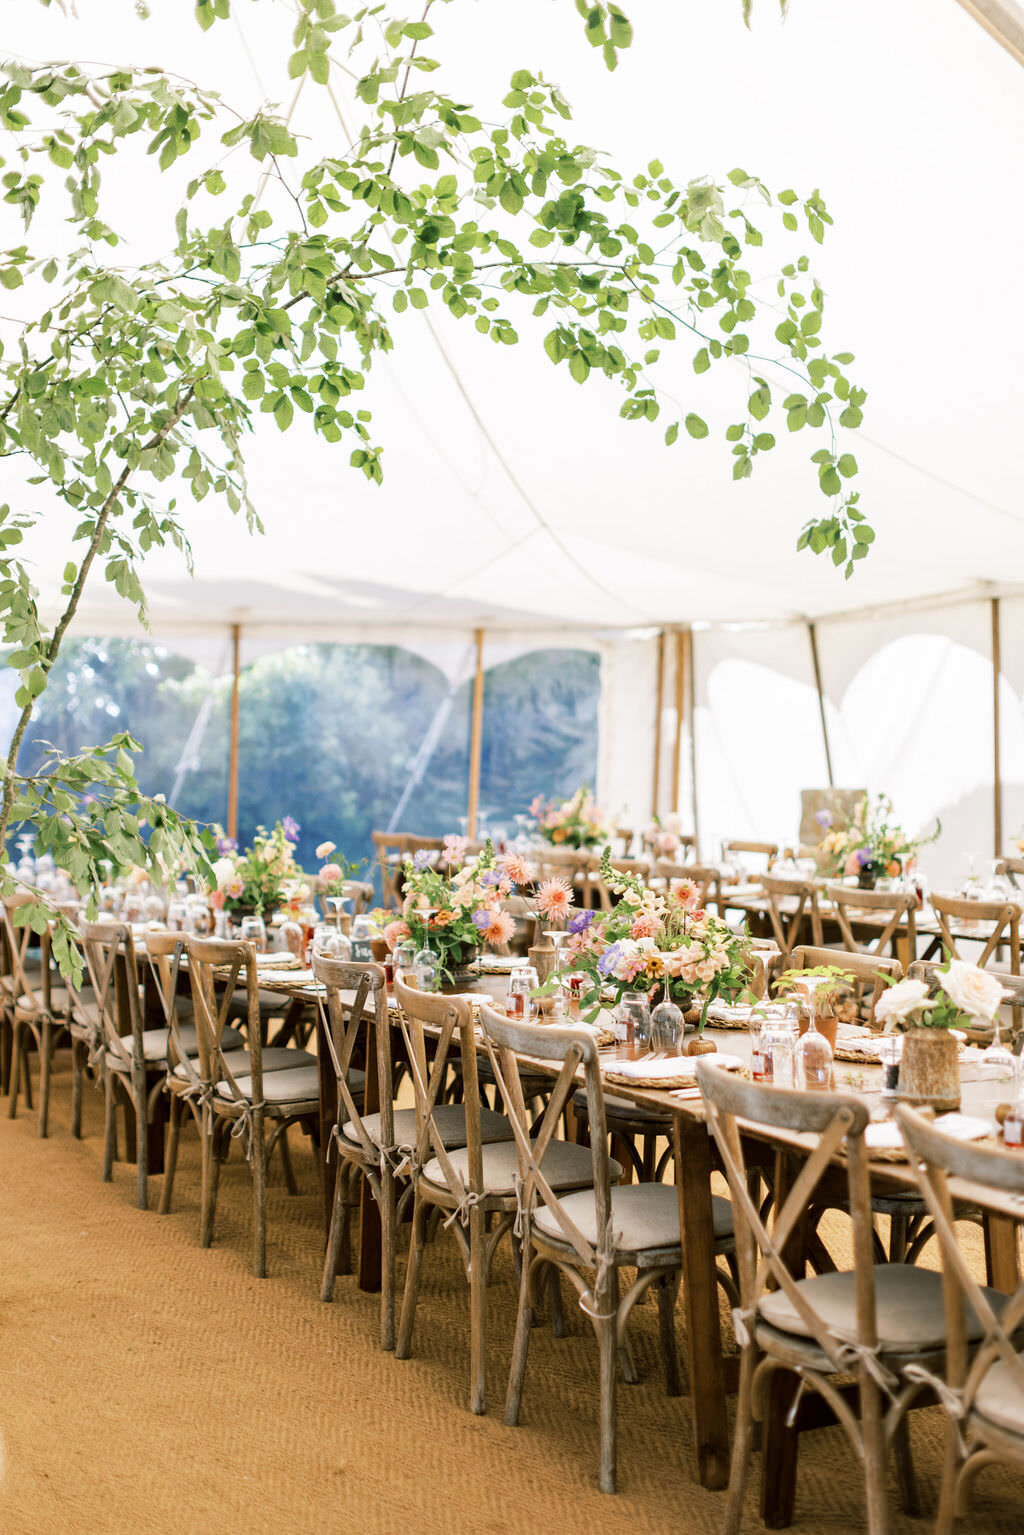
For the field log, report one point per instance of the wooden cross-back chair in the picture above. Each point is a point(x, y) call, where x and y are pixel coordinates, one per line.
point(1013, 870)
point(623, 835)
point(473, 1185)
point(35, 1008)
point(83, 1023)
point(587, 1233)
point(367, 1145)
point(390, 847)
point(867, 971)
point(982, 1385)
point(358, 891)
point(232, 1094)
point(740, 846)
point(930, 971)
point(110, 957)
point(999, 924)
point(872, 921)
point(705, 876)
point(788, 924)
point(874, 1322)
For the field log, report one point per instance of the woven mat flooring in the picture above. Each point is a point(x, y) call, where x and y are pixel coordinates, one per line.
point(148, 1386)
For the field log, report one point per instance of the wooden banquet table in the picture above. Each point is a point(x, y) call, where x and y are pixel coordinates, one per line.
point(711, 1373)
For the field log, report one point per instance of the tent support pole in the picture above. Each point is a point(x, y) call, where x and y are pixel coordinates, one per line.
point(659, 687)
point(476, 737)
point(997, 772)
point(236, 650)
point(691, 717)
point(680, 660)
point(812, 635)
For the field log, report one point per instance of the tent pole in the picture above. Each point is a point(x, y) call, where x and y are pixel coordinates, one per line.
point(997, 774)
point(660, 684)
point(236, 649)
point(812, 635)
point(691, 715)
point(680, 706)
point(476, 737)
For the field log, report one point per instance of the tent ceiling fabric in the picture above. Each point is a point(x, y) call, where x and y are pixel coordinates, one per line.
point(458, 536)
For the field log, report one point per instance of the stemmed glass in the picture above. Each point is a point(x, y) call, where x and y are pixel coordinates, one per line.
point(813, 1051)
point(996, 1059)
point(427, 962)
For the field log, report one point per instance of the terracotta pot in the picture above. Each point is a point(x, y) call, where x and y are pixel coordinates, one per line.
point(930, 1070)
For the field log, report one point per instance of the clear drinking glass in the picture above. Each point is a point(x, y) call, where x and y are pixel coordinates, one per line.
point(634, 1019)
point(254, 930)
point(996, 1059)
point(519, 1001)
point(405, 958)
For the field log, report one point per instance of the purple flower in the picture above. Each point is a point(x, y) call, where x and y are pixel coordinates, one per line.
point(580, 923)
point(421, 860)
point(824, 818)
point(609, 959)
point(863, 856)
point(482, 919)
point(291, 828)
point(490, 877)
point(226, 845)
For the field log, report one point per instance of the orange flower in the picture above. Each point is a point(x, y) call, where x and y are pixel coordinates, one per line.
point(559, 834)
point(554, 899)
point(892, 869)
point(442, 918)
point(644, 926)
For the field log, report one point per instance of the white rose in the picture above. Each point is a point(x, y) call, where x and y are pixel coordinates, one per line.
point(973, 991)
point(906, 997)
point(224, 871)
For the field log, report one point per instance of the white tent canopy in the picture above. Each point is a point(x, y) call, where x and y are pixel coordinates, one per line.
point(517, 502)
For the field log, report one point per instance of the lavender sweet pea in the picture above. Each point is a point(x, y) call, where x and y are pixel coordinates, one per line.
point(824, 819)
point(482, 919)
point(421, 860)
point(291, 828)
point(609, 959)
point(582, 921)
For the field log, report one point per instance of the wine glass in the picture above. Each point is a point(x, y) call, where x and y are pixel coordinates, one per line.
point(996, 1059)
point(427, 962)
point(667, 1028)
point(254, 930)
point(813, 1051)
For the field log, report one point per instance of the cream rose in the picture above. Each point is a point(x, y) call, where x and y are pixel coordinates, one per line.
point(896, 1005)
point(973, 991)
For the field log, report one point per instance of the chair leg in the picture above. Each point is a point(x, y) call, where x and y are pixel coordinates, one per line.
point(477, 1313)
point(259, 1195)
point(286, 1163)
point(521, 1344)
point(26, 1072)
point(45, 1065)
point(171, 1153)
point(16, 1055)
point(421, 1210)
point(555, 1302)
point(609, 1380)
point(141, 1103)
point(334, 1236)
point(910, 1502)
point(78, 1058)
point(741, 1445)
point(627, 1362)
point(387, 1259)
point(945, 1519)
point(109, 1126)
point(348, 1178)
point(211, 1174)
point(668, 1289)
point(873, 1435)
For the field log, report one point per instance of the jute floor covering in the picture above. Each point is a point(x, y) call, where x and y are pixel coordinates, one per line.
point(148, 1387)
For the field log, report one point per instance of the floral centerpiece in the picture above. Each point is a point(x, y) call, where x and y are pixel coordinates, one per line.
point(574, 822)
point(663, 837)
point(258, 879)
point(655, 941)
point(929, 1072)
point(334, 875)
point(870, 844)
point(452, 911)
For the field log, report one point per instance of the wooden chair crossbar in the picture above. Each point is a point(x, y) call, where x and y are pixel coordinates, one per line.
point(888, 911)
point(1004, 917)
point(787, 930)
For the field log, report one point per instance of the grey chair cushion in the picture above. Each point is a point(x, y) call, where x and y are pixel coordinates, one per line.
point(451, 1122)
point(908, 1308)
point(155, 1042)
point(60, 1001)
point(1000, 1399)
point(272, 1003)
point(275, 1058)
point(566, 1166)
point(622, 1109)
point(299, 1084)
point(644, 1215)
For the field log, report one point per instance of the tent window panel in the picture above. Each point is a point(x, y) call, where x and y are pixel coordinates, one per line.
point(540, 732)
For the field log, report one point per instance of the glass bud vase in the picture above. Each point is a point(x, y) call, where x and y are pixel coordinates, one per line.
point(813, 1051)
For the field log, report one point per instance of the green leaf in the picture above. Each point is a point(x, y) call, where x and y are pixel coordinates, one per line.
point(696, 426)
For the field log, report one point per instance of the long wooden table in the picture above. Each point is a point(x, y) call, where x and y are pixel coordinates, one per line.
point(711, 1373)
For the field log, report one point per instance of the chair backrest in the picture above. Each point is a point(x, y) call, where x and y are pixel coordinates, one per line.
point(569, 863)
point(885, 914)
point(705, 876)
point(508, 1041)
point(772, 1257)
point(415, 844)
point(110, 961)
point(1012, 869)
point(623, 835)
point(983, 1178)
point(210, 1014)
point(767, 850)
point(448, 1022)
point(998, 921)
point(391, 849)
point(348, 990)
point(165, 952)
point(19, 982)
point(790, 901)
point(867, 969)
